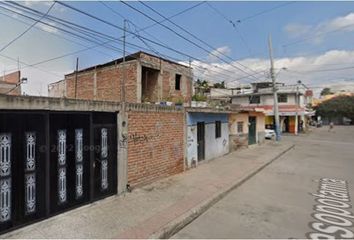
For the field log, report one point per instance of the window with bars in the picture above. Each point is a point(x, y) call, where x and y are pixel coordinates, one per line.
point(255, 99)
point(239, 127)
point(282, 98)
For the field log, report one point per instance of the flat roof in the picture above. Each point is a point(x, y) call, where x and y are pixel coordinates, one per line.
point(128, 58)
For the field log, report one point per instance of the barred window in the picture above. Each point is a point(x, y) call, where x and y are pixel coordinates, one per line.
point(239, 127)
point(255, 99)
point(282, 98)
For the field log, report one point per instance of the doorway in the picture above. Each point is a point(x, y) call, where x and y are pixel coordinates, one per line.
point(201, 140)
point(252, 130)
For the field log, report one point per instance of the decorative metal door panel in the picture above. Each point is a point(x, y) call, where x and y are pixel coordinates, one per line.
point(104, 161)
point(70, 155)
point(47, 163)
point(22, 166)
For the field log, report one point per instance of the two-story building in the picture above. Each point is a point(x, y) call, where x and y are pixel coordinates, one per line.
point(142, 76)
point(292, 100)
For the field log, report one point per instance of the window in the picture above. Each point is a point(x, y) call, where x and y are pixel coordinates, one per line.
point(282, 98)
point(255, 99)
point(239, 127)
point(178, 82)
point(217, 129)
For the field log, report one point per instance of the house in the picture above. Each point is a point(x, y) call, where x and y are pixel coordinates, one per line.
point(147, 78)
point(247, 127)
point(58, 154)
point(293, 102)
point(11, 83)
point(207, 134)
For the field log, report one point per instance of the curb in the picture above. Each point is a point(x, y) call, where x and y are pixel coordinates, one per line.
point(180, 222)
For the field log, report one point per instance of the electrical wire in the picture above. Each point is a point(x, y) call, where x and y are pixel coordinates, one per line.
point(234, 27)
point(29, 28)
point(264, 12)
point(183, 37)
point(194, 36)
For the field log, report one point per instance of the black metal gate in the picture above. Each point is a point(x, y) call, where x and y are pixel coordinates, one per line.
point(54, 161)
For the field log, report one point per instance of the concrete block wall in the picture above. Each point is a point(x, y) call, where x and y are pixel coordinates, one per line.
point(155, 146)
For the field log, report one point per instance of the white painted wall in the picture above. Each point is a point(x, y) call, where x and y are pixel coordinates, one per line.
point(265, 100)
point(216, 147)
point(244, 100)
point(213, 147)
point(192, 147)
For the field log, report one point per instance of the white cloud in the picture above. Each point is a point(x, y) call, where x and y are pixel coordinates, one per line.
point(48, 28)
point(296, 30)
point(312, 71)
point(219, 52)
point(346, 23)
point(317, 33)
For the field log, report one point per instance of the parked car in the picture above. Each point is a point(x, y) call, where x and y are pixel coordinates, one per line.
point(269, 133)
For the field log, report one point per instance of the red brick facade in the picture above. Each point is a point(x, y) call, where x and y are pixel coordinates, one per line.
point(155, 145)
point(103, 83)
point(148, 79)
point(10, 83)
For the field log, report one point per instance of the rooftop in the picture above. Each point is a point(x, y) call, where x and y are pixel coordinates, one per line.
point(130, 57)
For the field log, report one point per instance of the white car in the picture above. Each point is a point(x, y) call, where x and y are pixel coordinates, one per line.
point(269, 133)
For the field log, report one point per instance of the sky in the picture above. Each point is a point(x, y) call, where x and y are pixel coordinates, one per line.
point(224, 41)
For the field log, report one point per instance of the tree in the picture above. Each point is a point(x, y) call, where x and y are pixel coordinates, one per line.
point(341, 106)
point(326, 91)
point(220, 85)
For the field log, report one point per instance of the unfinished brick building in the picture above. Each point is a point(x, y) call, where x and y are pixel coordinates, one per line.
point(10, 83)
point(148, 78)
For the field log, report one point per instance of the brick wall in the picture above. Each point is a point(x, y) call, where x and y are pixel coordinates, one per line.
point(155, 145)
point(104, 83)
point(169, 71)
point(9, 83)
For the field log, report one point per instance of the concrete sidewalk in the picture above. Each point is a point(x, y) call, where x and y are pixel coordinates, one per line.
point(160, 209)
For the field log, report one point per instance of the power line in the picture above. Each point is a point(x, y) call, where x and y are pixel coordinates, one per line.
point(264, 12)
point(29, 28)
point(54, 34)
point(137, 30)
point(194, 36)
point(120, 28)
point(91, 47)
point(233, 24)
point(321, 70)
point(102, 43)
point(183, 37)
point(317, 35)
point(29, 65)
point(59, 28)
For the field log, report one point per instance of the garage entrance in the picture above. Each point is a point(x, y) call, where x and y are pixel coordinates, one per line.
point(51, 162)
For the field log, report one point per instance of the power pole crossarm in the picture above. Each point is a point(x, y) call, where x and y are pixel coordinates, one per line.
point(275, 95)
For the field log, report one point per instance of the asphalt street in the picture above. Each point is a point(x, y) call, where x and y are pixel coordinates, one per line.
point(278, 201)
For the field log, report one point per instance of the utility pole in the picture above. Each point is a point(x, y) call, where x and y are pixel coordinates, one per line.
point(297, 106)
point(191, 87)
point(275, 95)
point(296, 111)
point(123, 67)
point(77, 69)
